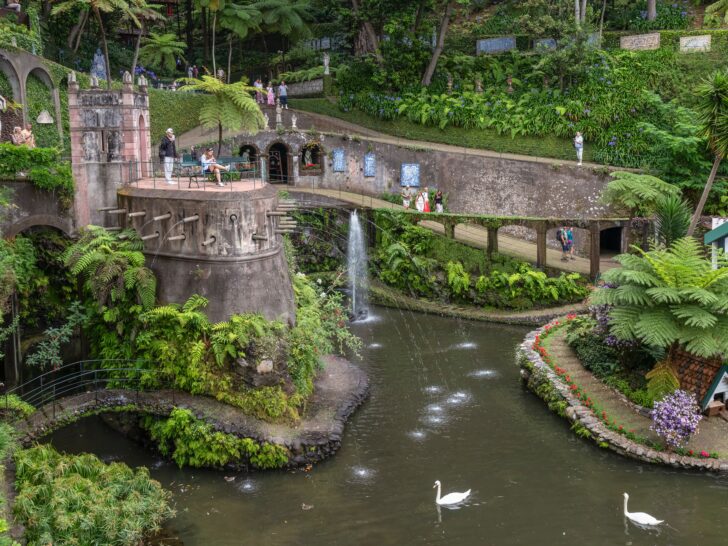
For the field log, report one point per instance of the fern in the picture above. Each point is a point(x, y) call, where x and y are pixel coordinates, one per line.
point(661, 380)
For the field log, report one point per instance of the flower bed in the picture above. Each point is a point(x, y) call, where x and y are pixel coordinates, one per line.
point(554, 384)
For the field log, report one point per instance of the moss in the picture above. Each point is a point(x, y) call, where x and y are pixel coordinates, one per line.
point(177, 110)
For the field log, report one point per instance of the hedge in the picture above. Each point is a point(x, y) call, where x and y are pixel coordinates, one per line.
point(43, 166)
point(174, 109)
point(543, 146)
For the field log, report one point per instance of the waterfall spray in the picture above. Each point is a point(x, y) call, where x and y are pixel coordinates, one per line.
point(357, 264)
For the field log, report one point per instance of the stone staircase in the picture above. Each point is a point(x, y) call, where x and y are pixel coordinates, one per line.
point(285, 224)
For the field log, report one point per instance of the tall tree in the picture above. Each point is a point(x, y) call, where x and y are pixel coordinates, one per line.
point(228, 106)
point(240, 20)
point(712, 108)
point(162, 51)
point(287, 17)
point(651, 10)
point(445, 10)
point(145, 15)
point(99, 7)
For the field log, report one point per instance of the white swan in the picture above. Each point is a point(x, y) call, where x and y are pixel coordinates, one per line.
point(450, 498)
point(640, 518)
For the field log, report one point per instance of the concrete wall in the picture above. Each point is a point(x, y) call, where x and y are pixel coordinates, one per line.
point(33, 207)
point(235, 272)
point(310, 88)
point(473, 183)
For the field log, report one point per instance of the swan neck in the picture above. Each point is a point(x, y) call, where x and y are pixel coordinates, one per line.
point(437, 499)
point(625, 507)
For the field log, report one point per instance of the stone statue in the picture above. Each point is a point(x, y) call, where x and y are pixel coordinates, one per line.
point(126, 78)
point(326, 64)
point(98, 67)
point(294, 120)
point(307, 158)
point(246, 156)
point(267, 122)
point(279, 115)
point(72, 76)
point(94, 82)
point(478, 85)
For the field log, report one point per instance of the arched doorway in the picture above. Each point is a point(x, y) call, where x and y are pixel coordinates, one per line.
point(610, 241)
point(41, 96)
point(278, 164)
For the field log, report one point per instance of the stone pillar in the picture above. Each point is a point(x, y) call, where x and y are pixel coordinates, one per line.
point(595, 250)
point(541, 230)
point(449, 230)
point(82, 214)
point(492, 247)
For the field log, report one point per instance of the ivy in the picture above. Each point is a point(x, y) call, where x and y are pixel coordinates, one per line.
point(43, 166)
point(192, 442)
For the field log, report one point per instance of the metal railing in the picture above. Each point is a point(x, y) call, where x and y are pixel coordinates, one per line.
point(86, 376)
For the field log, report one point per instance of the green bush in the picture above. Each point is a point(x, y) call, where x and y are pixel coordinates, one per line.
point(43, 166)
point(192, 442)
point(66, 499)
point(40, 97)
point(12, 407)
point(172, 109)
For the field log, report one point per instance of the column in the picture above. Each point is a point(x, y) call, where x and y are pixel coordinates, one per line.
point(492, 241)
point(595, 250)
point(541, 229)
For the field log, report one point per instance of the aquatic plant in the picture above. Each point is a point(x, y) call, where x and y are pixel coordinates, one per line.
point(676, 417)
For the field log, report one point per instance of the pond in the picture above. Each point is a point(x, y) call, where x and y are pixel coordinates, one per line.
point(446, 404)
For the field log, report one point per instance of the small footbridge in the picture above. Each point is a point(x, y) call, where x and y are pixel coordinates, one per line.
point(90, 387)
point(482, 231)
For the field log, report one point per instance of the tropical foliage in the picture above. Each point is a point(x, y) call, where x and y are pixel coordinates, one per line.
point(191, 442)
point(676, 417)
point(64, 499)
point(162, 51)
point(670, 299)
point(43, 167)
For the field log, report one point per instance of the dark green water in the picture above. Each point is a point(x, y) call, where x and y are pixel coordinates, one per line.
point(445, 404)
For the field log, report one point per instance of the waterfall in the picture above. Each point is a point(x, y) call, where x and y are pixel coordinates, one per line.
point(357, 264)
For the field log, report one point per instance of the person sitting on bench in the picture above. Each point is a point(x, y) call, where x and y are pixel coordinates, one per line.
point(209, 165)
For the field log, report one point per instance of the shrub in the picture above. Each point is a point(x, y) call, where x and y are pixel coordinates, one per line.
point(66, 499)
point(43, 167)
point(675, 418)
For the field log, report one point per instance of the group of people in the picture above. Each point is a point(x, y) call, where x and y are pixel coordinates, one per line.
point(565, 237)
point(23, 136)
point(268, 94)
point(422, 199)
point(168, 155)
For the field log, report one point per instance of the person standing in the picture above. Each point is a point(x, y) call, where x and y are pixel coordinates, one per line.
point(283, 94)
point(190, 71)
point(271, 95)
point(28, 136)
point(420, 202)
point(406, 194)
point(564, 242)
point(258, 91)
point(17, 137)
point(426, 195)
point(579, 146)
point(438, 202)
point(570, 242)
point(168, 153)
point(195, 71)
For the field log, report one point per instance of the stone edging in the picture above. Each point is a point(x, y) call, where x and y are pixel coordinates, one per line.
point(547, 385)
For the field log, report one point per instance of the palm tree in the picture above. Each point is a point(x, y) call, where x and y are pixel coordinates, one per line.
point(144, 14)
point(240, 20)
point(287, 17)
point(162, 51)
point(214, 6)
point(669, 298)
point(717, 13)
point(97, 7)
point(712, 108)
point(228, 105)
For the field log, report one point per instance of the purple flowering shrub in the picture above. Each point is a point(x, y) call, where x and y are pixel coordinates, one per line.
point(675, 418)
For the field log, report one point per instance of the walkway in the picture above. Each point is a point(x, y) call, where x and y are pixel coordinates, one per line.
point(471, 235)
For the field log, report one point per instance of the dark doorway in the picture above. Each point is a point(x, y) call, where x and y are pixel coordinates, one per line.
point(278, 164)
point(610, 240)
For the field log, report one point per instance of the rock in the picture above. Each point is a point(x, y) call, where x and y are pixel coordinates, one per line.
point(265, 366)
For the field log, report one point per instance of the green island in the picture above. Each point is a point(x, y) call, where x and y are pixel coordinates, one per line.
point(270, 269)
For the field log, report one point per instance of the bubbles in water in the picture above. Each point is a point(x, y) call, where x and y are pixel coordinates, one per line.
point(433, 389)
point(362, 473)
point(458, 398)
point(434, 419)
point(374, 346)
point(417, 434)
point(483, 374)
point(248, 486)
point(466, 345)
point(435, 408)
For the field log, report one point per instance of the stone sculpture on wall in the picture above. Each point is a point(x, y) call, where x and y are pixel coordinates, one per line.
point(339, 160)
point(410, 175)
point(98, 66)
point(370, 165)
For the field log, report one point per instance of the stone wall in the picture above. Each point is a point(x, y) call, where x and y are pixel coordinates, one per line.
point(215, 254)
point(311, 88)
point(33, 207)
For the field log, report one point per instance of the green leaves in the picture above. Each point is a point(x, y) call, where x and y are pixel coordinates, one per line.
point(162, 51)
point(636, 193)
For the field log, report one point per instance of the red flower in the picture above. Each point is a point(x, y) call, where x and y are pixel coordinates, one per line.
point(704, 454)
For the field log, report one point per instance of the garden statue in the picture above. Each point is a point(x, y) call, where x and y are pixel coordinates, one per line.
point(94, 82)
point(294, 120)
point(98, 67)
point(307, 158)
point(267, 122)
point(246, 156)
point(509, 81)
point(126, 78)
point(449, 84)
point(142, 82)
point(478, 85)
point(279, 115)
point(326, 64)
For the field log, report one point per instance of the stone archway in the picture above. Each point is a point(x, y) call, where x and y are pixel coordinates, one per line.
point(64, 225)
point(12, 92)
point(33, 109)
point(279, 163)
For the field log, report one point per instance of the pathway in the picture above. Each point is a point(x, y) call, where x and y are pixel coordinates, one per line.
point(472, 235)
point(713, 432)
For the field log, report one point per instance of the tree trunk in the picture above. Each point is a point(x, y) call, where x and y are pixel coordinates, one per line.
point(219, 138)
point(651, 10)
point(214, 65)
point(142, 26)
point(583, 11)
point(371, 33)
point(75, 33)
point(418, 17)
point(601, 20)
point(205, 37)
point(703, 198)
point(230, 55)
point(577, 16)
point(97, 13)
point(430, 71)
point(189, 30)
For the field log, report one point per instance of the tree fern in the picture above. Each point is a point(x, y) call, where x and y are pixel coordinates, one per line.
point(661, 380)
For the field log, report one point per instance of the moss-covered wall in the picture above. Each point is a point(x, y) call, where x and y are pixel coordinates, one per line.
point(174, 109)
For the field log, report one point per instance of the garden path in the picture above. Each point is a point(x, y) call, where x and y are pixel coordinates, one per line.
point(474, 235)
point(713, 432)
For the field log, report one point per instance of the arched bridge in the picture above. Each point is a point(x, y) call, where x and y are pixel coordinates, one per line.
point(84, 388)
point(32, 206)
